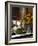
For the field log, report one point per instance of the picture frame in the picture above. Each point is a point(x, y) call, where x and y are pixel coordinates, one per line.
point(8, 15)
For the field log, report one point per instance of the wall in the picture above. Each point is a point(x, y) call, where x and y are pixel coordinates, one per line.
point(2, 22)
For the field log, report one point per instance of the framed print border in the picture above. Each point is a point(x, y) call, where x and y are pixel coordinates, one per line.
point(6, 22)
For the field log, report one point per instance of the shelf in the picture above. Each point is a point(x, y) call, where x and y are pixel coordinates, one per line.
point(17, 36)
